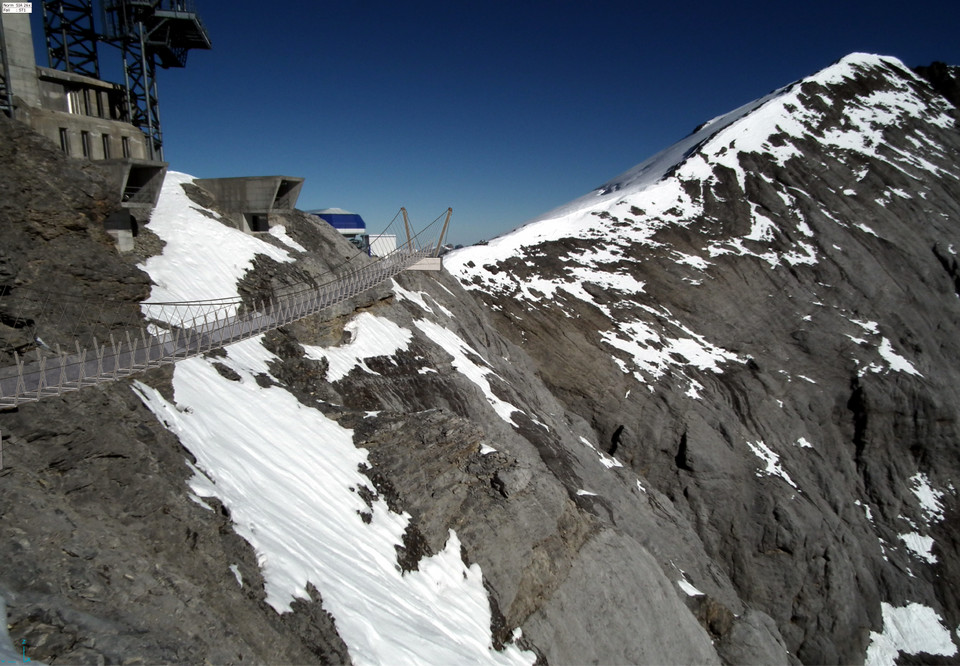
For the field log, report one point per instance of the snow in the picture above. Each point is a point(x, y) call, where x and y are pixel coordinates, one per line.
point(803, 443)
point(458, 349)
point(289, 476)
point(771, 125)
point(928, 496)
point(370, 336)
point(689, 589)
point(653, 353)
point(189, 269)
point(895, 361)
point(418, 297)
point(607, 461)
point(236, 574)
point(911, 629)
point(629, 210)
point(931, 506)
point(645, 177)
point(921, 546)
point(771, 460)
point(868, 326)
point(280, 233)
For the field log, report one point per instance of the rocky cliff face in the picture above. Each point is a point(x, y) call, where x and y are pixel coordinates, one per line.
point(706, 414)
point(762, 323)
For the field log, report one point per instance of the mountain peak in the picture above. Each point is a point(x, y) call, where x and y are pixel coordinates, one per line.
point(846, 108)
point(768, 308)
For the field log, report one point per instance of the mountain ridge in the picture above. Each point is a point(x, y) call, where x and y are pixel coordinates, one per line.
point(682, 288)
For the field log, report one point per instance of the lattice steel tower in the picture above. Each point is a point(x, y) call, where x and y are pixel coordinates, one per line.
point(147, 32)
point(71, 37)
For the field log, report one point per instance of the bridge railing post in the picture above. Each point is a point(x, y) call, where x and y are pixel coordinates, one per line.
point(21, 387)
point(81, 364)
point(63, 369)
point(43, 374)
point(116, 360)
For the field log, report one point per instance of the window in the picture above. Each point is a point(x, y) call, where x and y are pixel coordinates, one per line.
point(125, 145)
point(85, 143)
point(64, 140)
point(106, 146)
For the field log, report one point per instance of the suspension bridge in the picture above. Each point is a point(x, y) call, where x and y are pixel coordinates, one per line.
point(172, 331)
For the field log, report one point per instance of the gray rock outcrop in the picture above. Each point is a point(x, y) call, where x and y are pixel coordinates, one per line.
point(777, 349)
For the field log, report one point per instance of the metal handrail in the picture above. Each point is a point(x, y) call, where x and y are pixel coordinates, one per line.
point(205, 330)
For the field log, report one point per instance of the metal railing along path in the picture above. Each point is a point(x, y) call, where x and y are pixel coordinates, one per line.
point(201, 327)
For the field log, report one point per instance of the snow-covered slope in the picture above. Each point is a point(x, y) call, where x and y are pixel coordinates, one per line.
point(774, 298)
point(771, 126)
point(291, 477)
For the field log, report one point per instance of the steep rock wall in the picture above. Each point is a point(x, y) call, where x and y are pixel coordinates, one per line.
point(767, 328)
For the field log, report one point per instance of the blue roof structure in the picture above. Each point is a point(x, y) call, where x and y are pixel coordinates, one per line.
point(342, 220)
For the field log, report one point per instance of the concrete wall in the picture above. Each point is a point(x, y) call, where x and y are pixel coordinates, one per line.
point(254, 194)
point(18, 38)
point(83, 95)
point(249, 201)
point(84, 116)
point(80, 114)
point(83, 136)
point(137, 185)
point(382, 244)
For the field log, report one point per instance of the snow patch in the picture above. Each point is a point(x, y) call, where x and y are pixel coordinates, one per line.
point(454, 345)
point(928, 496)
point(607, 461)
point(771, 461)
point(911, 629)
point(920, 545)
point(418, 297)
point(202, 259)
point(370, 337)
point(289, 475)
point(653, 353)
point(280, 233)
point(894, 360)
point(689, 589)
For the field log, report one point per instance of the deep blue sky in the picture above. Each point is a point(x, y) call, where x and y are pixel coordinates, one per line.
point(499, 109)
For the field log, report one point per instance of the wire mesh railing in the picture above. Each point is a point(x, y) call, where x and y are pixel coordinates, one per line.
point(177, 331)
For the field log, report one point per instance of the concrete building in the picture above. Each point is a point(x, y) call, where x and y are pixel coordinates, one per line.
point(349, 225)
point(251, 201)
point(81, 114)
point(84, 117)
